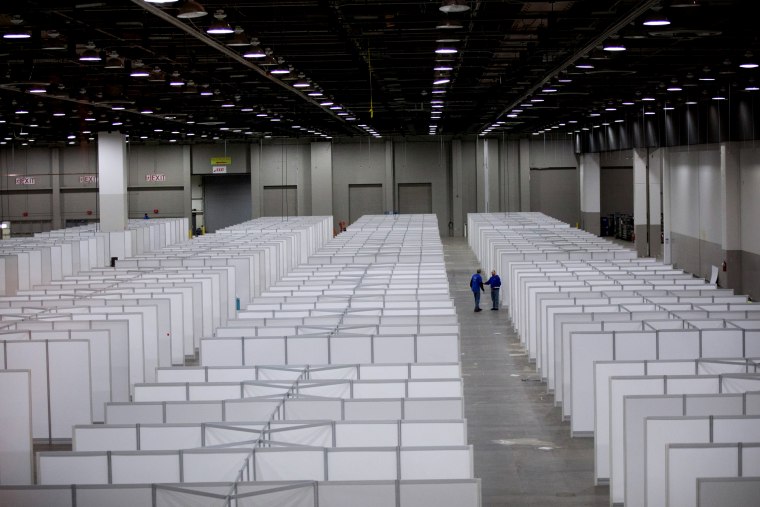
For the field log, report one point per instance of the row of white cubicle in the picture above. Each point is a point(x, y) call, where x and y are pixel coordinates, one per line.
point(661, 368)
point(328, 373)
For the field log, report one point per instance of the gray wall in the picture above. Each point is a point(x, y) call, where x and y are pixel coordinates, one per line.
point(616, 189)
point(555, 192)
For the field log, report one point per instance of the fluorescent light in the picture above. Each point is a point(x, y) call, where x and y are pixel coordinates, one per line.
point(748, 65)
point(446, 51)
point(707, 78)
point(443, 68)
point(656, 21)
point(614, 47)
point(441, 81)
point(648, 99)
point(719, 97)
point(255, 53)
point(548, 90)
point(584, 66)
point(281, 70)
point(675, 89)
point(751, 89)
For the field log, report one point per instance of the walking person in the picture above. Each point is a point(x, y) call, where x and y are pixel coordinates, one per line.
point(495, 283)
point(476, 285)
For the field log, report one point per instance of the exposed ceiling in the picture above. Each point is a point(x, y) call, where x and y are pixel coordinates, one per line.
point(515, 71)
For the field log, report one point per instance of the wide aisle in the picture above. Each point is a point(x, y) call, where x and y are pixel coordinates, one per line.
point(523, 451)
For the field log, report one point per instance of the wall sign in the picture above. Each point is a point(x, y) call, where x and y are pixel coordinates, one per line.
point(153, 178)
point(26, 180)
point(219, 169)
point(88, 179)
point(221, 160)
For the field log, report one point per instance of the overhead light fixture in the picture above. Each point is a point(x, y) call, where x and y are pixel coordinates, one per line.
point(446, 51)
point(749, 64)
point(443, 68)
point(584, 66)
point(719, 97)
point(220, 26)
point(751, 89)
point(113, 61)
point(138, 69)
point(441, 81)
point(191, 9)
point(37, 89)
point(52, 41)
point(706, 78)
point(175, 79)
point(549, 90)
point(614, 47)
point(315, 94)
point(280, 70)
point(239, 39)
point(675, 89)
point(656, 20)
point(449, 24)
point(449, 6)
point(256, 51)
point(17, 31)
point(90, 54)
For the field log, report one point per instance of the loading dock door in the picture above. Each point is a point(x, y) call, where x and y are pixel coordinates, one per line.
point(364, 200)
point(415, 198)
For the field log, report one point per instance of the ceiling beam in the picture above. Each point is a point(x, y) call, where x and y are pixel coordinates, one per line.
point(605, 34)
point(235, 56)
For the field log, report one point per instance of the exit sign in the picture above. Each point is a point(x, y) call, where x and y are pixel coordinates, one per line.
point(26, 180)
point(219, 169)
point(88, 179)
point(154, 178)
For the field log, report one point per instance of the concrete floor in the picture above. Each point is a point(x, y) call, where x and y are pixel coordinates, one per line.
point(524, 455)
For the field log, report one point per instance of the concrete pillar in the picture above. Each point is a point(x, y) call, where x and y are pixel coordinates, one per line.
point(524, 174)
point(647, 208)
point(55, 182)
point(457, 212)
point(257, 205)
point(389, 186)
point(731, 217)
point(481, 176)
point(187, 183)
point(112, 181)
point(590, 192)
point(321, 179)
point(666, 214)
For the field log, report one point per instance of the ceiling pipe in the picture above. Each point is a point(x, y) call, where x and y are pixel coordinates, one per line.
point(178, 23)
point(596, 41)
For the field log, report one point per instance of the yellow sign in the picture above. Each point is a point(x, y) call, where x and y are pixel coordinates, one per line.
point(221, 160)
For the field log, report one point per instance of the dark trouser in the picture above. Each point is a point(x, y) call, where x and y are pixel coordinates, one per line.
point(476, 293)
point(495, 298)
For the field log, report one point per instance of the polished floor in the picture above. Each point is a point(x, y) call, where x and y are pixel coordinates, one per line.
point(524, 455)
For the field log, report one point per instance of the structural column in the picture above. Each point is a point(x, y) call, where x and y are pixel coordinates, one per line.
point(112, 181)
point(389, 186)
point(731, 217)
point(647, 207)
point(457, 213)
point(55, 183)
point(256, 189)
point(590, 192)
point(321, 179)
point(524, 174)
point(482, 193)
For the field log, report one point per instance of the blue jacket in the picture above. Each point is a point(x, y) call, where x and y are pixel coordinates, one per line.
point(476, 283)
point(494, 282)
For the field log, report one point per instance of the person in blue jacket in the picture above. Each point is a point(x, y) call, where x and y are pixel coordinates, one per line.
point(495, 283)
point(476, 285)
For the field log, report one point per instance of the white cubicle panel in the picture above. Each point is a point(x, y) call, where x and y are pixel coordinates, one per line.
point(604, 370)
point(688, 462)
point(16, 424)
point(60, 380)
point(633, 442)
point(727, 491)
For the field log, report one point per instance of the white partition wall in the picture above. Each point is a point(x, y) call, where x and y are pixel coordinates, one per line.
point(620, 340)
point(16, 424)
point(332, 361)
